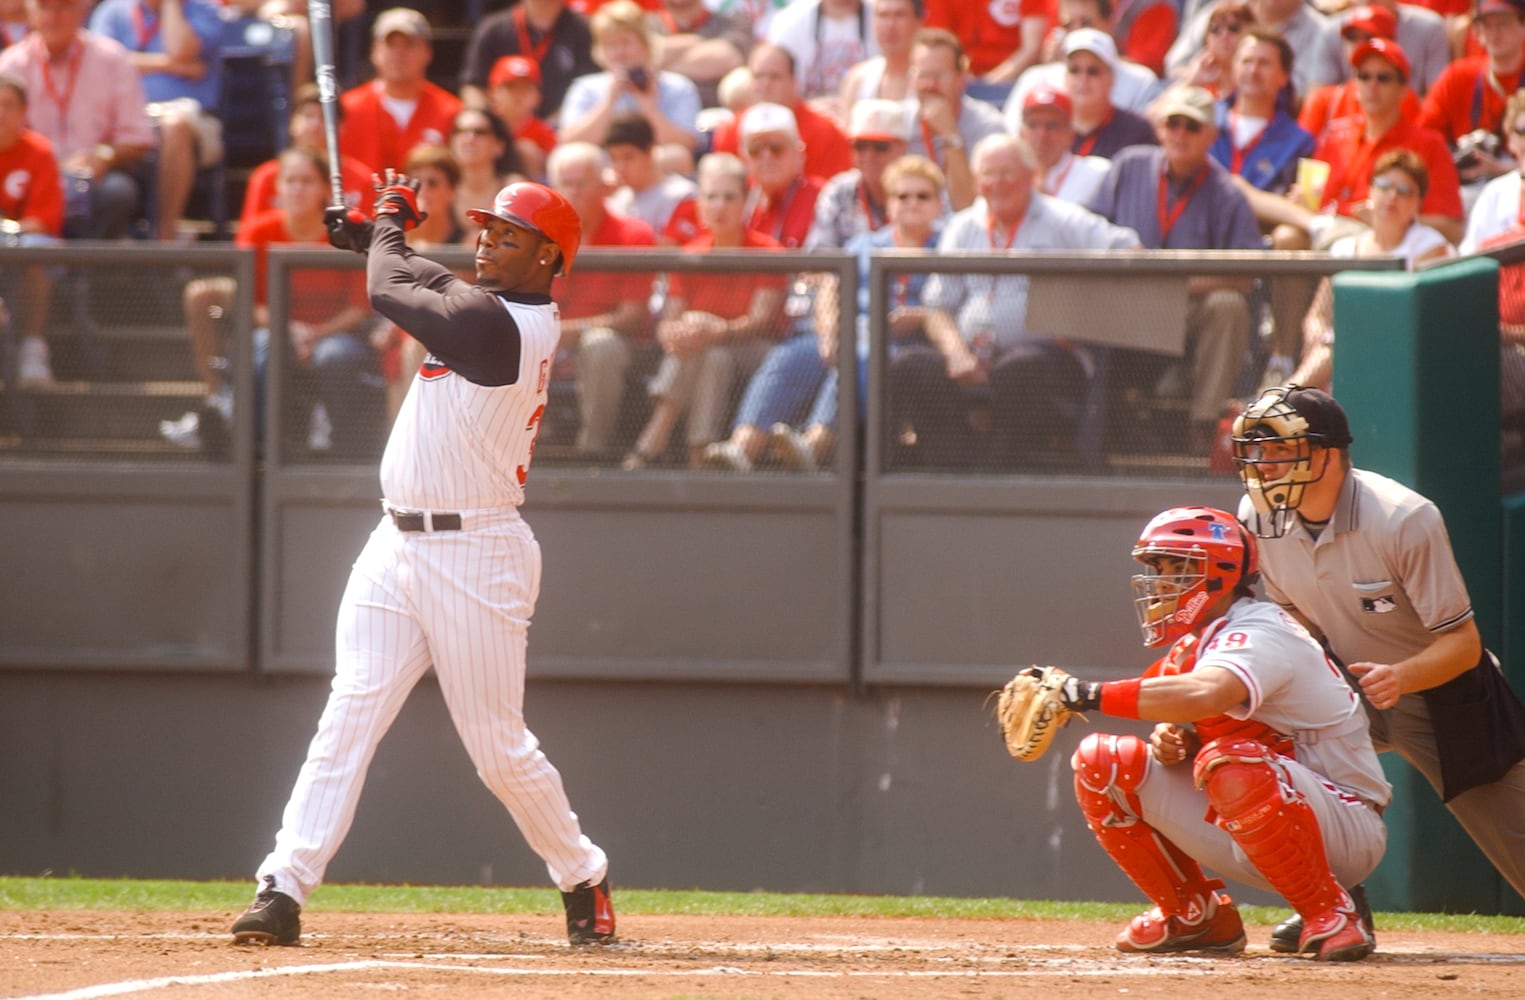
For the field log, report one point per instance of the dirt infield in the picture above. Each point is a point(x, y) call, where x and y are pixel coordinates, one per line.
point(86, 954)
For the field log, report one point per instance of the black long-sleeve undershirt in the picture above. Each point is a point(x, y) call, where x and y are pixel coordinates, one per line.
point(463, 325)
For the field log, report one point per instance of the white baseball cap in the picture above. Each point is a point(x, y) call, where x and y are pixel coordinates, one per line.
point(879, 120)
point(763, 118)
point(1098, 43)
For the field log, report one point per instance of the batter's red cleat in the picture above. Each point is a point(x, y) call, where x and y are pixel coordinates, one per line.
point(590, 914)
point(1338, 935)
point(1219, 930)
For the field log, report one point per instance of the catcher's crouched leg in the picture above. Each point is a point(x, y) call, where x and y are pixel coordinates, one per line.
point(1189, 913)
point(1278, 831)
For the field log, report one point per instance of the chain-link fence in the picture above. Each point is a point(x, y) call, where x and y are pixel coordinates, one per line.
point(1105, 364)
point(1091, 364)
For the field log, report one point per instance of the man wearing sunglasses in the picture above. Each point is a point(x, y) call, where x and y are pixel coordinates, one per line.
point(1176, 197)
point(853, 201)
point(1090, 69)
point(1352, 145)
point(1339, 99)
point(1420, 30)
point(1469, 96)
point(1133, 86)
point(773, 82)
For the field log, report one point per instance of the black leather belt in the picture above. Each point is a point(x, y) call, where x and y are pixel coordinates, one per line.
point(408, 520)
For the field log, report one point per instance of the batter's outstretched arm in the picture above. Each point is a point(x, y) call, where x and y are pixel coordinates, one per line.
point(463, 326)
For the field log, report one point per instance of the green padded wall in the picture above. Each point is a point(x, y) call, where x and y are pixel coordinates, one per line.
point(1416, 368)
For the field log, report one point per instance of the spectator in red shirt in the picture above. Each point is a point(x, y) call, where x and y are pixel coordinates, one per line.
point(1001, 37)
point(385, 118)
point(827, 151)
point(513, 93)
point(1144, 31)
point(603, 314)
point(1471, 93)
point(784, 195)
point(327, 311)
point(32, 203)
point(715, 329)
point(1351, 146)
point(305, 127)
point(1339, 100)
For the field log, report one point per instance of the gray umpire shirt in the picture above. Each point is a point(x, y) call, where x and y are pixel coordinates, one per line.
point(1380, 582)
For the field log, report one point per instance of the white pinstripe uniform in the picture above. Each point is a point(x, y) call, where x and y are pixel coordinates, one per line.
point(459, 599)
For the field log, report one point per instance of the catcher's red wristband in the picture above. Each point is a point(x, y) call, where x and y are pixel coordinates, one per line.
point(1120, 698)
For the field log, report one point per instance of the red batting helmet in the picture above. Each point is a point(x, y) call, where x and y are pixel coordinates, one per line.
point(535, 206)
point(1191, 555)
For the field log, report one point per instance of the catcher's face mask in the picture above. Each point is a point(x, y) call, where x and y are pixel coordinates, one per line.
point(1273, 450)
point(1190, 555)
point(1171, 592)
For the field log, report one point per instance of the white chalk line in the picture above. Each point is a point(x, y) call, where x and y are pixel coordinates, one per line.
point(1039, 961)
point(127, 987)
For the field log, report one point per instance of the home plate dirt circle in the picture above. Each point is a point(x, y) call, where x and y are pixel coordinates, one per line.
point(81, 955)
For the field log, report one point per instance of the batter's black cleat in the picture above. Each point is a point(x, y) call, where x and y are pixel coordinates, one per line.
point(590, 914)
point(273, 918)
point(1286, 937)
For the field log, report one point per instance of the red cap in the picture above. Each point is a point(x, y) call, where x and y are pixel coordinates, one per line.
point(1378, 22)
point(511, 68)
point(534, 206)
point(1044, 96)
point(1387, 49)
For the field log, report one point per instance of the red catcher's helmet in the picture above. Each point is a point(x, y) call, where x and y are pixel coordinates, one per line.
point(535, 206)
point(1190, 556)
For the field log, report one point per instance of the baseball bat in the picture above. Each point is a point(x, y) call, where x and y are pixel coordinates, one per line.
point(320, 18)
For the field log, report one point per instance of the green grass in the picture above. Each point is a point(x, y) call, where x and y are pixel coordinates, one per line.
point(68, 893)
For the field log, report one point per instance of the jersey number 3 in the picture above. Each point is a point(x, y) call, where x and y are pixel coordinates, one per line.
point(523, 472)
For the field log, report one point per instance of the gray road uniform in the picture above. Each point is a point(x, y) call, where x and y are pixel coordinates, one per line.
point(1380, 583)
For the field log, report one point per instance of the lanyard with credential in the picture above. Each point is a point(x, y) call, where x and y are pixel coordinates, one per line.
point(1084, 146)
point(1168, 218)
point(1236, 165)
point(145, 29)
point(535, 50)
point(875, 219)
point(62, 100)
point(1011, 238)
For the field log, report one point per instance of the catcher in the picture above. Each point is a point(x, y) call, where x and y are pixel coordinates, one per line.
point(1260, 768)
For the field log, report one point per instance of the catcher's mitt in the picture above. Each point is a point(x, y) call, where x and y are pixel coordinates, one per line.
point(1032, 710)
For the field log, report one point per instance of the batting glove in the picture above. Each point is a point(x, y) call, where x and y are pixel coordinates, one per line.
point(401, 200)
point(347, 228)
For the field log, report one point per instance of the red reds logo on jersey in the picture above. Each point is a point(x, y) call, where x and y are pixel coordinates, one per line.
point(432, 368)
point(16, 183)
point(545, 376)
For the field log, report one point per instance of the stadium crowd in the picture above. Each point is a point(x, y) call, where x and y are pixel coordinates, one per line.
point(1373, 129)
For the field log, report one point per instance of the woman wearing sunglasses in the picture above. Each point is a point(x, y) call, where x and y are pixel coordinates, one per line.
point(1399, 181)
point(1210, 67)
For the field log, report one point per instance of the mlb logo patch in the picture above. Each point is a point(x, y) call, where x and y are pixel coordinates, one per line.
point(1378, 605)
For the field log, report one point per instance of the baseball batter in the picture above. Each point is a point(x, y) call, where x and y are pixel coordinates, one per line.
point(450, 575)
point(1365, 563)
point(1262, 769)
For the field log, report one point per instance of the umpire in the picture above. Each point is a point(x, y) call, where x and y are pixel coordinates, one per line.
point(1365, 563)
